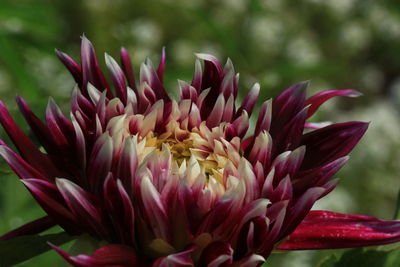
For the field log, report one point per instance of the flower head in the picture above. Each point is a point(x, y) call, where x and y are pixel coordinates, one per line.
point(185, 182)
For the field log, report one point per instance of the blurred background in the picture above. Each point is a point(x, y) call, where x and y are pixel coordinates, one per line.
point(336, 44)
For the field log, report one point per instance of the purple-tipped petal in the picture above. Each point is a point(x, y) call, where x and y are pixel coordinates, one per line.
point(118, 78)
point(301, 208)
point(72, 66)
point(264, 118)
point(217, 112)
point(111, 255)
point(50, 199)
point(20, 166)
point(336, 230)
point(317, 176)
point(91, 71)
point(161, 66)
point(318, 99)
point(331, 142)
point(34, 227)
point(197, 76)
point(84, 206)
point(182, 259)
point(38, 127)
point(25, 146)
point(100, 161)
point(61, 129)
point(217, 254)
point(126, 64)
point(249, 101)
point(120, 210)
point(289, 103)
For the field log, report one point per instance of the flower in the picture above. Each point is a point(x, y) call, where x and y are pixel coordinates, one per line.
point(184, 182)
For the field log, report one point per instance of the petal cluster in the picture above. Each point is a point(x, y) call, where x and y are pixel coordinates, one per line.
point(181, 182)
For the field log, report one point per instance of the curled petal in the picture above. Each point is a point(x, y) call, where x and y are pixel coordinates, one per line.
point(336, 230)
point(318, 99)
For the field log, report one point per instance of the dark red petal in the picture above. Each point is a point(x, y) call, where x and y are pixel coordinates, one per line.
point(25, 146)
point(91, 71)
point(318, 176)
point(33, 227)
point(118, 78)
point(61, 129)
point(50, 199)
point(181, 259)
point(84, 206)
point(120, 210)
point(111, 255)
point(327, 230)
point(19, 166)
point(289, 103)
point(318, 99)
point(249, 101)
point(217, 254)
point(331, 142)
point(38, 127)
point(72, 66)
point(161, 66)
point(126, 65)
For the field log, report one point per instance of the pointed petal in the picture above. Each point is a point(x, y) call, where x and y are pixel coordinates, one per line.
point(336, 230)
point(118, 78)
point(318, 99)
point(20, 166)
point(161, 66)
point(111, 255)
point(25, 146)
point(250, 100)
point(287, 105)
point(72, 66)
point(37, 126)
point(126, 64)
point(34, 227)
point(83, 205)
point(331, 142)
point(50, 199)
point(91, 71)
point(182, 259)
point(217, 254)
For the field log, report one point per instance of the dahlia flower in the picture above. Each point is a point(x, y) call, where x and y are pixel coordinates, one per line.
point(184, 182)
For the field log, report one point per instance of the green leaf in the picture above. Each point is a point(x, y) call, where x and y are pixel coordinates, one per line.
point(362, 257)
point(22, 248)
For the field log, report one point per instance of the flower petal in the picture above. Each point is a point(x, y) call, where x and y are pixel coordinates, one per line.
point(33, 227)
point(181, 259)
point(318, 99)
point(118, 78)
point(111, 255)
point(336, 230)
point(331, 142)
point(126, 65)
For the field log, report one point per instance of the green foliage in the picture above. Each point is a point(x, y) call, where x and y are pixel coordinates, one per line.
point(362, 257)
point(22, 248)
